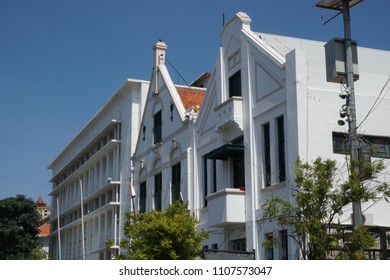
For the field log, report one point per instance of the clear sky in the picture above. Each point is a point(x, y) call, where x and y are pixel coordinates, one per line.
point(60, 61)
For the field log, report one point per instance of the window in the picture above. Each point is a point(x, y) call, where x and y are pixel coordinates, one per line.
point(205, 178)
point(238, 171)
point(340, 143)
point(283, 245)
point(214, 176)
point(209, 165)
point(142, 197)
point(176, 180)
point(158, 192)
point(281, 150)
point(157, 127)
point(235, 84)
point(238, 245)
point(229, 156)
point(269, 248)
point(267, 155)
point(379, 146)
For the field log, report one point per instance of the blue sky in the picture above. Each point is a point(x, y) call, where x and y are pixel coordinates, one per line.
point(61, 60)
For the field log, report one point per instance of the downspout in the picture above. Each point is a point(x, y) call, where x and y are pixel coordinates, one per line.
point(195, 187)
point(189, 175)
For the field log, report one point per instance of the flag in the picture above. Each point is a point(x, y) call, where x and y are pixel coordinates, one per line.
point(132, 190)
point(181, 199)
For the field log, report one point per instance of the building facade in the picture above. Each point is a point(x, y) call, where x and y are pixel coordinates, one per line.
point(91, 179)
point(226, 149)
point(267, 104)
point(164, 157)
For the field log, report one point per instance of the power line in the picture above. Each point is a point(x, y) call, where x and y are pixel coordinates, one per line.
point(375, 105)
point(173, 67)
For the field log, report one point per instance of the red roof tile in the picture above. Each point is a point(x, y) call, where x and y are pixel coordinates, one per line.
point(191, 97)
point(44, 229)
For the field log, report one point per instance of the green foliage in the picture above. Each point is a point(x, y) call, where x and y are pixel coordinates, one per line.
point(109, 243)
point(318, 201)
point(270, 242)
point(39, 254)
point(163, 235)
point(369, 189)
point(358, 240)
point(19, 221)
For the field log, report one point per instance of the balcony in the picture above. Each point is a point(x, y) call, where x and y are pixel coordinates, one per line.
point(230, 115)
point(226, 208)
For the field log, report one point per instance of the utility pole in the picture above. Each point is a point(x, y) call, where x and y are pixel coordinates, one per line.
point(343, 6)
point(353, 143)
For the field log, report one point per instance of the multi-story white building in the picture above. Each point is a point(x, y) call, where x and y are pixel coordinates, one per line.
point(267, 103)
point(91, 179)
point(225, 150)
point(164, 157)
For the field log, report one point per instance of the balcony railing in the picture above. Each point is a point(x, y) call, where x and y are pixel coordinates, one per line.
point(230, 114)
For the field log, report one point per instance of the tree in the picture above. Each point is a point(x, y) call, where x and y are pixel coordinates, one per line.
point(319, 199)
point(19, 221)
point(162, 235)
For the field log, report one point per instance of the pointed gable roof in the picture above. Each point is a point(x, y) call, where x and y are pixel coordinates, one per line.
point(191, 97)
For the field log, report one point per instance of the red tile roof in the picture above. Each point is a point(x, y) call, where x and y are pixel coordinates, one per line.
point(44, 229)
point(191, 97)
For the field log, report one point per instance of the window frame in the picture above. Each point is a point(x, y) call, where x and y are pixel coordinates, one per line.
point(281, 149)
point(142, 197)
point(158, 191)
point(267, 168)
point(235, 84)
point(283, 237)
point(157, 127)
point(340, 144)
point(176, 181)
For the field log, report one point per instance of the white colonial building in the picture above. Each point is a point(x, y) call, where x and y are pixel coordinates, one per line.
point(267, 103)
point(164, 157)
point(225, 150)
point(91, 179)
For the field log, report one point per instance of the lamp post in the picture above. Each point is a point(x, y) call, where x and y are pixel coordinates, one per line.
point(343, 6)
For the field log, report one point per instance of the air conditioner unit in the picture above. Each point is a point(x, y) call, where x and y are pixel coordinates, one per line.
point(335, 61)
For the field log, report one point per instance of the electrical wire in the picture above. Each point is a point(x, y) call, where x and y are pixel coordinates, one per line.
point(383, 88)
point(173, 67)
point(377, 102)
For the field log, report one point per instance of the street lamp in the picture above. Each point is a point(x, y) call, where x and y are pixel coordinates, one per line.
point(343, 6)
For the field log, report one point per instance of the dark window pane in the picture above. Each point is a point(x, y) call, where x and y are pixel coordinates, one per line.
point(235, 84)
point(281, 151)
point(267, 155)
point(142, 200)
point(158, 192)
point(157, 128)
point(176, 177)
